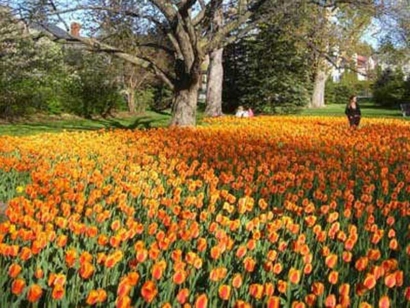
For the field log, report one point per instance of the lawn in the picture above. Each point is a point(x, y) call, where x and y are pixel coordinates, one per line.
point(45, 124)
point(277, 211)
point(152, 119)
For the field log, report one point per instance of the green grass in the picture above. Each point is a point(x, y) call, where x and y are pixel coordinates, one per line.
point(152, 119)
point(149, 119)
point(368, 110)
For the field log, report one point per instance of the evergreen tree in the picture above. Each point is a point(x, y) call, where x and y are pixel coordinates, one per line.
point(267, 72)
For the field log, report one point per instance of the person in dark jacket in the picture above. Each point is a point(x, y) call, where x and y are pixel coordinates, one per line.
point(353, 112)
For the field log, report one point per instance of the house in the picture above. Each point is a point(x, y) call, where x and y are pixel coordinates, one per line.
point(363, 66)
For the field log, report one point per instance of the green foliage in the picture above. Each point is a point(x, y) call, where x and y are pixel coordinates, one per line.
point(92, 87)
point(162, 97)
point(267, 73)
point(144, 98)
point(390, 88)
point(340, 92)
point(31, 75)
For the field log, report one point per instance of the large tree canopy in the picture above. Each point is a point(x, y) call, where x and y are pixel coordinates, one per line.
point(185, 34)
point(185, 31)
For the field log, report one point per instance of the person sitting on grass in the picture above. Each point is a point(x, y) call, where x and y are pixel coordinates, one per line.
point(241, 112)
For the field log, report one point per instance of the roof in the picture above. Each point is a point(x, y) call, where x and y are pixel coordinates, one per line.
point(51, 29)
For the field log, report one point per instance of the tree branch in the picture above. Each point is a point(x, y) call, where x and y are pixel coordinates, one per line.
point(140, 61)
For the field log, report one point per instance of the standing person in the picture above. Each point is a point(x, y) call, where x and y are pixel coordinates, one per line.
point(353, 112)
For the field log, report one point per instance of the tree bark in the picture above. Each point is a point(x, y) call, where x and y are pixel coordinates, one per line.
point(184, 105)
point(215, 73)
point(318, 96)
point(131, 100)
point(214, 84)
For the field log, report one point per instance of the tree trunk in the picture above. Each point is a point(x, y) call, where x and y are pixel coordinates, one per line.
point(131, 100)
point(184, 105)
point(318, 96)
point(214, 84)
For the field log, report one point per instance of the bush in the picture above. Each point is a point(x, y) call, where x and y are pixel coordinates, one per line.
point(337, 93)
point(390, 89)
point(340, 92)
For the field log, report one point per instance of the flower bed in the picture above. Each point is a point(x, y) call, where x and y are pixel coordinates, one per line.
point(255, 212)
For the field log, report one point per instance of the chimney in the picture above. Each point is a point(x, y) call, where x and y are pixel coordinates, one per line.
point(75, 29)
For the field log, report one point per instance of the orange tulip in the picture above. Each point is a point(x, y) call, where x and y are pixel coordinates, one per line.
point(201, 301)
point(62, 240)
point(14, 270)
point(124, 287)
point(101, 295)
point(237, 281)
point(330, 301)
point(25, 253)
point(347, 256)
point(394, 244)
point(273, 302)
point(361, 264)
point(331, 260)
point(179, 277)
point(241, 251)
point(277, 268)
point(39, 273)
point(370, 281)
point(269, 289)
point(142, 255)
point(182, 296)
point(344, 301)
point(249, 264)
point(241, 304)
point(298, 304)
point(308, 269)
point(294, 276)
point(256, 290)
point(282, 286)
point(157, 271)
point(318, 288)
point(344, 289)
point(399, 278)
point(390, 280)
point(58, 292)
point(71, 257)
point(123, 302)
point(384, 302)
point(407, 294)
point(17, 286)
point(34, 293)
point(86, 270)
point(215, 252)
point(133, 278)
point(224, 292)
point(202, 244)
point(333, 277)
point(149, 291)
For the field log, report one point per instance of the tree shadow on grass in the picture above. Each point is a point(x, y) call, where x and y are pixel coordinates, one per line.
point(139, 123)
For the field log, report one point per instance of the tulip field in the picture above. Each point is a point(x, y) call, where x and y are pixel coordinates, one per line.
point(277, 211)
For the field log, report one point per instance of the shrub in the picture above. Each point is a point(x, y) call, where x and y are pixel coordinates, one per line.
point(389, 88)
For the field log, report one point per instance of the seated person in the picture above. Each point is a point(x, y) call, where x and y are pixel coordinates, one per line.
point(241, 113)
